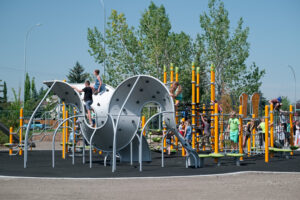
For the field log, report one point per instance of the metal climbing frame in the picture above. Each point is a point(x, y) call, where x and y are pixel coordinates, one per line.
point(118, 114)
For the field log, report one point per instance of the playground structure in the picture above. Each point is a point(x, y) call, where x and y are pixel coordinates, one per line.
point(118, 119)
point(219, 122)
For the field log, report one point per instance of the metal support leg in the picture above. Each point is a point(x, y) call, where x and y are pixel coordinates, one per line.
point(131, 159)
point(91, 155)
point(83, 152)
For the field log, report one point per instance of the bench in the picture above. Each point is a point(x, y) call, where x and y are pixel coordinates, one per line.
point(282, 151)
point(202, 157)
point(217, 156)
point(236, 157)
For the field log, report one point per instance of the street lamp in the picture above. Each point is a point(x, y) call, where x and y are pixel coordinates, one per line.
point(104, 33)
point(25, 45)
point(293, 71)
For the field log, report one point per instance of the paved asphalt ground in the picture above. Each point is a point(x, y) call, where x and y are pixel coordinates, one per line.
point(237, 183)
point(40, 165)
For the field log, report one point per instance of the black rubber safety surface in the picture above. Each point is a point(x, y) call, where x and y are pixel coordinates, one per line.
point(39, 165)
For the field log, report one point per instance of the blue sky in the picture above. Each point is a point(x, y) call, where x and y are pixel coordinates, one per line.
point(54, 47)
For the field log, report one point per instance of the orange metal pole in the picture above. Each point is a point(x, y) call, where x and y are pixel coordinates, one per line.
point(267, 134)
point(171, 73)
point(10, 140)
point(212, 98)
point(143, 124)
point(21, 131)
point(241, 131)
point(63, 133)
point(164, 133)
point(272, 126)
point(176, 112)
point(198, 103)
point(67, 131)
point(165, 74)
point(171, 80)
point(216, 129)
point(253, 133)
point(271, 129)
point(164, 126)
point(193, 106)
point(203, 107)
point(212, 80)
point(74, 136)
point(222, 132)
point(291, 128)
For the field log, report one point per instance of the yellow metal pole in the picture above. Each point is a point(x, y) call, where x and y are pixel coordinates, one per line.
point(272, 126)
point(10, 140)
point(176, 112)
point(241, 131)
point(171, 80)
point(171, 73)
point(253, 133)
point(212, 98)
point(267, 134)
point(203, 107)
point(67, 131)
point(21, 131)
point(249, 146)
point(216, 129)
point(193, 106)
point(164, 133)
point(143, 124)
point(222, 132)
point(212, 80)
point(291, 128)
point(164, 124)
point(74, 136)
point(271, 129)
point(198, 103)
point(63, 132)
point(165, 74)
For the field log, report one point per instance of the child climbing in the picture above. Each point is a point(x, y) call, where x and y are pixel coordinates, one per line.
point(176, 92)
point(169, 137)
point(277, 103)
point(262, 128)
point(234, 129)
point(98, 82)
point(181, 127)
point(281, 135)
point(88, 99)
point(188, 131)
point(220, 110)
point(297, 135)
point(206, 131)
point(249, 128)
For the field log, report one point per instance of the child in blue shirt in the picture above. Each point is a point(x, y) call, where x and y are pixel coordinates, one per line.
point(188, 131)
point(98, 82)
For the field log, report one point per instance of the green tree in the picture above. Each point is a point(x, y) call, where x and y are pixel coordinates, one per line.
point(285, 103)
point(227, 51)
point(77, 74)
point(123, 54)
point(27, 91)
point(34, 94)
point(252, 79)
point(155, 28)
point(129, 51)
point(4, 92)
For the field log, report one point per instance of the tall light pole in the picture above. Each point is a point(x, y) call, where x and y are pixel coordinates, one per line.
point(25, 45)
point(293, 71)
point(104, 31)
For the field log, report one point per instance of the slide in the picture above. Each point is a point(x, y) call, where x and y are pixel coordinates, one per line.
point(5, 130)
